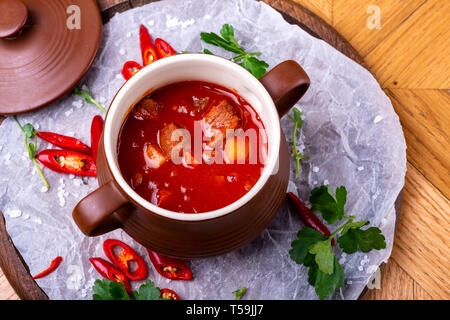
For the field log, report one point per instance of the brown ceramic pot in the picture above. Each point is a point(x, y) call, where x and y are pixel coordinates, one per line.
point(116, 205)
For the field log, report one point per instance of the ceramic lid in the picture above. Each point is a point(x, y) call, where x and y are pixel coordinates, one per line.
point(46, 47)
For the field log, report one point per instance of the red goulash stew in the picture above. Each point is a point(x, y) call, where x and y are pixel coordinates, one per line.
point(192, 147)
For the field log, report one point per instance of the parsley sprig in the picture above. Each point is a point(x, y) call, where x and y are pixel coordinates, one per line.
point(240, 292)
point(228, 42)
point(30, 132)
point(313, 249)
point(298, 123)
point(106, 289)
point(87, 96)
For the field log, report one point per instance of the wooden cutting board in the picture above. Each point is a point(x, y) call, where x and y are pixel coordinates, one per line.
point(11, 262)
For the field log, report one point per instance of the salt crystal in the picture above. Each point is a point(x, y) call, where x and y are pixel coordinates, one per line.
point(315, 169)
point(326, 182)
point(314, 182)
point(61, 180)
point(150, 23)
point(207, 16)
point(62, 202)
point(349, 281)
point(36, 126)
point(14, 213)
point(77, 182)
point(26, 217)
point(377, 119)
point(128, 34)
point(360, 168)
point(7, 157)
point(101, 99)
point(44, 189)
point(37, 220)
point(71, 176)
point(68, 112)
point(171, 22)
point(122, 51)
point(360, 268)
point(119, 76)
point(1, 148)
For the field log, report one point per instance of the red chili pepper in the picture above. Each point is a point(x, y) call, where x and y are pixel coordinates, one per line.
point(123, 259)
point(170, 268)
point(130, 68)
point(308, 217)
point(148, 50)
point(64, 142)
point(53, 266)
point(66, 161)
point(109, 271)
point(169, 294)
point(96, 132)
point(163, 48)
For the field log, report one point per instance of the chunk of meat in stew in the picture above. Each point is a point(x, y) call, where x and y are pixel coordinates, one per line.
point(221, 117)
point(146, 109)
point(165, 139)
point(153, 157)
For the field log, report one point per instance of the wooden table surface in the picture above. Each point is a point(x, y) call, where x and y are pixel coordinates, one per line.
point(409, 55)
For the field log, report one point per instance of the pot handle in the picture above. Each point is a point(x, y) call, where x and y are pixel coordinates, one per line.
point(286, 83)
point(94, 214)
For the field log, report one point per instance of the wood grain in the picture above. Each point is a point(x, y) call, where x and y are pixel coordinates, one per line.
point(426, 133)
point(416, 54)
point(350, 19)
point(422, 250)
point(395, 284)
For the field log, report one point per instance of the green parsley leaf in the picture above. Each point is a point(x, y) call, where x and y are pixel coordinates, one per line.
point(323, 200)
point(109, 290)
point(305, 238)
point(240, 292)
point(147, 291)
point(325, 284)
point(353, 225)
point(29, 132)
point(366, 240)
point(324, 257)
point(255, 66)
point(228, 42)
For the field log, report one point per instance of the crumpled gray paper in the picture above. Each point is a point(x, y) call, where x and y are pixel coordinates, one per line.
point(351, 136)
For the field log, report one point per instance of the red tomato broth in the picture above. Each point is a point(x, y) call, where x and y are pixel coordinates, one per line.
point(197, 188)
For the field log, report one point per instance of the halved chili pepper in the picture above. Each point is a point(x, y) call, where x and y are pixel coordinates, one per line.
point(130, 68)
point(109, 271)
point(148, 50)
point(308, 217)
point(163, 48)
point(64, 142)
point(53, 266)
point(123, 259)
point(171, 268)
point(96, 132)
point(66, 161)
point(169, 294)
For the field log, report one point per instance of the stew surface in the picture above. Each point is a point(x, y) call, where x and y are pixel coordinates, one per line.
point(202, 167)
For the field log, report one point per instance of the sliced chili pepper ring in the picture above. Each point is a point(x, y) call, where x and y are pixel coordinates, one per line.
point(169, 294)
point(124, 258)
point(148, 51)
point(171, 268)
point(163, 48)
point(109, 271)
point(130, 68)
point(66, 161)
